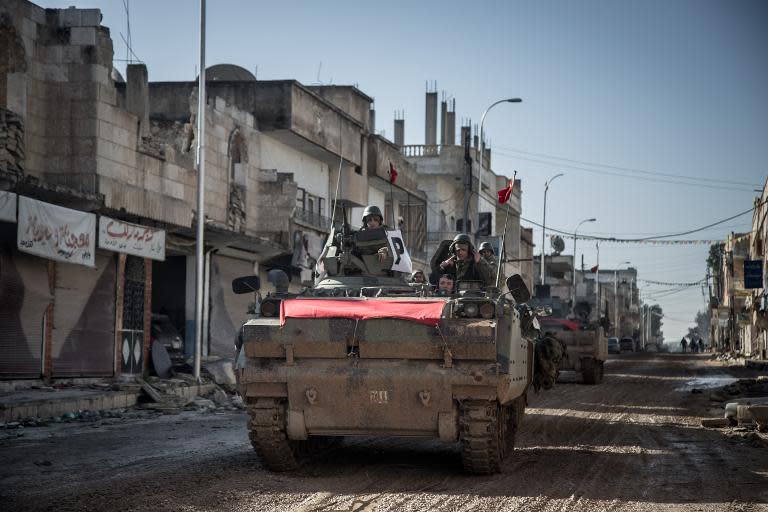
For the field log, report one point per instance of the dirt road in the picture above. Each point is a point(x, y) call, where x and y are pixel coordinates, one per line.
point(632, 443)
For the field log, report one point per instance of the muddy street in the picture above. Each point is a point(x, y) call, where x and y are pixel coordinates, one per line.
point(632, 443)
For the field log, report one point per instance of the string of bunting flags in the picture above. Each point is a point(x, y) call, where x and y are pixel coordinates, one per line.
point(663, 283)
point(648, 242)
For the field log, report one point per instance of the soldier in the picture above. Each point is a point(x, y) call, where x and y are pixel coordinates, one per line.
point(373, 219)
point(466, 264)
point(445, 285)
point(486, 251)
point(418, 277)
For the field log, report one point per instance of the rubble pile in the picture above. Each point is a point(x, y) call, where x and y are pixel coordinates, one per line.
point(743, 406)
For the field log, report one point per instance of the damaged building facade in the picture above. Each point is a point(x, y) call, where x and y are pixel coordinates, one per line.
point(98, 188)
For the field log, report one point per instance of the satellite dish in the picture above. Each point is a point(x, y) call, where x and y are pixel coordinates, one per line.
point(558, 245)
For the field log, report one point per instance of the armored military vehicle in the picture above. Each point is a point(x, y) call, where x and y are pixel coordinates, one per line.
point(363, 352)
point(585, 344)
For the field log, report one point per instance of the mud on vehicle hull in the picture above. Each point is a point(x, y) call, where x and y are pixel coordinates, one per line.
point(305, 383)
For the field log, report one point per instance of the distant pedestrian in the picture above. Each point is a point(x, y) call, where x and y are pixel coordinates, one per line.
point(684, 345)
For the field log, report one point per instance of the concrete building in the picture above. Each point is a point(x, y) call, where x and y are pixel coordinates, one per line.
point(445, 171)
point(730, 322)
point(756, 333)
point(74, 134)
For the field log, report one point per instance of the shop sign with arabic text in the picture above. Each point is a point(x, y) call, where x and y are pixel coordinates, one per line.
point(56, 232)
point(143, 241)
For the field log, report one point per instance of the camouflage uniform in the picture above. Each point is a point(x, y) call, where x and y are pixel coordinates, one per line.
point(469, 270)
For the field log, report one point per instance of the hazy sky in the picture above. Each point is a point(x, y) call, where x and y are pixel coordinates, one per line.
point(609, 88)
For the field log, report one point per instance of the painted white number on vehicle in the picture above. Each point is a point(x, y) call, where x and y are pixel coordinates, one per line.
point(379, 397)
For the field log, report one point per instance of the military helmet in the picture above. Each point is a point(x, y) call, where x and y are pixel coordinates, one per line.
point(372, 210)
point(486, 246)
point(462, 238)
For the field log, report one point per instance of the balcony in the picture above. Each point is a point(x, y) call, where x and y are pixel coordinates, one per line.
point(312, 219)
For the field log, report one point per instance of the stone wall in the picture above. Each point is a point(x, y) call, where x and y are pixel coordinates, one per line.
point(11, 142)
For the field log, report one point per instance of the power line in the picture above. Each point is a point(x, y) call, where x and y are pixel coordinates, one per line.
point(650, 238)
point(627, 169)
point(620, 175)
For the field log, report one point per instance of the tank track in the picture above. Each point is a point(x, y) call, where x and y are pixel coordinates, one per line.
point(487, 434)
point(268, 437)
point(592, 373)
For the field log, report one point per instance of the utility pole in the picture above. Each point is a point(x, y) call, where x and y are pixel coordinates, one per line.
point(467, 180)
point(544, 223)
point(200, 248)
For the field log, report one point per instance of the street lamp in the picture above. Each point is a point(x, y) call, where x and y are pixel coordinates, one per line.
point(616, 297)
point(544, 222)
point(573, 287)
point(480, 169)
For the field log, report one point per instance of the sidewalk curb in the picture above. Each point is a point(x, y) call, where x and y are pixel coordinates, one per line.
point(96, 401)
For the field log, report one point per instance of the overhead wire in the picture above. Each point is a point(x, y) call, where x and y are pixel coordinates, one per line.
point(649, 238)
point(626, 169)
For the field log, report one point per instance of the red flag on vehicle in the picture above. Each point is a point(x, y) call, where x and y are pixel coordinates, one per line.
point(506, 193)
point(594, 269)
point(392, 173)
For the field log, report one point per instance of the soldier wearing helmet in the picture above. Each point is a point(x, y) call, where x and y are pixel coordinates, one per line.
point(466, 264)
point(373, 219)
point(486, 251)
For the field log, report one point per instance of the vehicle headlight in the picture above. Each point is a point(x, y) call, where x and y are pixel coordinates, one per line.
point(487, 310)
point(269, 308)
point(470, 309)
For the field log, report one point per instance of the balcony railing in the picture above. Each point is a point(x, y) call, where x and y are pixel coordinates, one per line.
point(312, 219)
point(420, 150)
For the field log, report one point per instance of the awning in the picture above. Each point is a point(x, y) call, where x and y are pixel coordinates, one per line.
point(426, 312)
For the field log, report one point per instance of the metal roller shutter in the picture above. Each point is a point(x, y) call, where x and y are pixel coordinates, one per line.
point(84, 318)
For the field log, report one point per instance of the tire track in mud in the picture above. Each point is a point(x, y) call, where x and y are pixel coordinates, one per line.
point(631, 443)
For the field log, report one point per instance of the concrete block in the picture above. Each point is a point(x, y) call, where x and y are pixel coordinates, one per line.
point(29, 45)
point(85, 36)
point(52, 54)
point(17, 93)
point(153, 183)
point(29, 28)
point(37, 14)
point(70, 17)
point(117, 153)
point(173, 189)
point(108, 94)
point(54, 73)
point(130, 400)
point(72, 54)
point(90, 17)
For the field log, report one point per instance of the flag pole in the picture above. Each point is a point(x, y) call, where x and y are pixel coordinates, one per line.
point(392, 196)
point(504, 235)
point(503, 251)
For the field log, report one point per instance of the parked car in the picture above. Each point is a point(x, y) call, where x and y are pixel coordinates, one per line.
point(627, 344)
point(613, 346)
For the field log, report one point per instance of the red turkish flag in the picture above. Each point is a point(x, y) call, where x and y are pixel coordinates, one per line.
point(594, 269)
point(506, 193)
point(392, 173)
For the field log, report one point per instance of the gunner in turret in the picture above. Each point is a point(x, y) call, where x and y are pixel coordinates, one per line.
point(373, 219)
